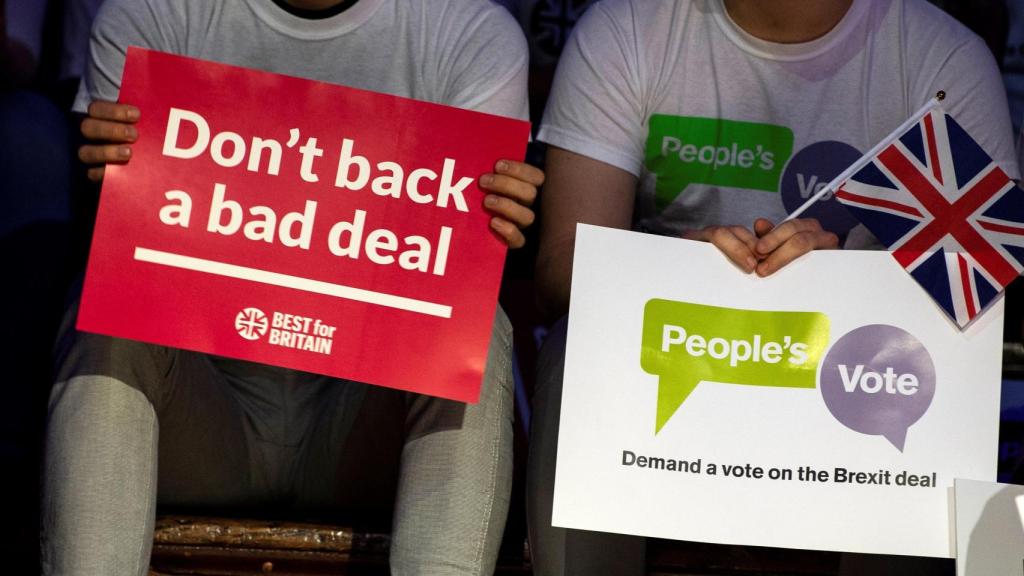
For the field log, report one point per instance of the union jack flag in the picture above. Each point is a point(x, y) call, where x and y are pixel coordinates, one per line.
point(949, 215)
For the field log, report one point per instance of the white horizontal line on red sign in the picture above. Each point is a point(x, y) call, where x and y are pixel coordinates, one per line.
point(294, 282)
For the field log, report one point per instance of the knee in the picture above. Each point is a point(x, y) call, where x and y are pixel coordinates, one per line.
point(137, 365)
point(98, 399)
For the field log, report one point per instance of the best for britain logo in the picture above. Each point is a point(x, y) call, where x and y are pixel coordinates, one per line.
point(251, 323)
point(286, 330)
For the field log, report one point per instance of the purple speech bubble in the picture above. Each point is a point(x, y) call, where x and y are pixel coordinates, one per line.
point(811, 169)
point(878, 380)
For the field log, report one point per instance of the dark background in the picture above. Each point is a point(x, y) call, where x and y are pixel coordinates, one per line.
point(47, 207)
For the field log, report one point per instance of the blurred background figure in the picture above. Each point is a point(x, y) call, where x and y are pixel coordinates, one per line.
point(39, 239)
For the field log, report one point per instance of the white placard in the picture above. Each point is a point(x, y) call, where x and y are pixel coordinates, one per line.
point(989, 529)
point(785, 447)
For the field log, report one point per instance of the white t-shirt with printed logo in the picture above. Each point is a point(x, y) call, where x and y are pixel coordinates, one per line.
point(464, 53)
point(722, 127)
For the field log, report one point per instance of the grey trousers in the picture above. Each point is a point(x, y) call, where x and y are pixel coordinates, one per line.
point(131, 425)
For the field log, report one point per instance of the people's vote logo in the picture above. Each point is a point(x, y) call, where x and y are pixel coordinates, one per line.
point(878, 380)
point(685, 344)
point(685, 150)
point(810, 170)
point(251, 323)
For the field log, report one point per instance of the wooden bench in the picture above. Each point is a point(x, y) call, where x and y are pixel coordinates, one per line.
point(228, 547)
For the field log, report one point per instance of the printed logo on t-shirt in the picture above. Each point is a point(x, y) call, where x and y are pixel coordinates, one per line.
point(684, 150)
point(810, 170)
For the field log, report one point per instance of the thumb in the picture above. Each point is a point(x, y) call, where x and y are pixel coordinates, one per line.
point(763, 226)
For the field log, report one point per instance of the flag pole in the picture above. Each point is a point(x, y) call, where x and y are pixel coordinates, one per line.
point(863, 161)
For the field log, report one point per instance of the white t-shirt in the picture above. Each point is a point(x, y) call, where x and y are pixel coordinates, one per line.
point(722, 127)
point(465, 53)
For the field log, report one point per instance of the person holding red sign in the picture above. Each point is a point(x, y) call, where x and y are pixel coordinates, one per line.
point(132, 425)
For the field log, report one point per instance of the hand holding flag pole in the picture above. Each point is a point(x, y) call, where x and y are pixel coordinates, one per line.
point(864, 160)
point(951, 217)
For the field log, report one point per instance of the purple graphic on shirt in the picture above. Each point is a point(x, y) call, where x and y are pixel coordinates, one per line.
point(807, 172)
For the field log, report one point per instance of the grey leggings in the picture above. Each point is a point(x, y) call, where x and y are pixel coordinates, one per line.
point(133, 424)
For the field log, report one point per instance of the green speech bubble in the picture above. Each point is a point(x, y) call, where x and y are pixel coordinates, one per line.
point(686, 344)
point(682, 150)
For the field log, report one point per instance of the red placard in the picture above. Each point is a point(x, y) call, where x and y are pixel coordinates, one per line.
point(301, 224)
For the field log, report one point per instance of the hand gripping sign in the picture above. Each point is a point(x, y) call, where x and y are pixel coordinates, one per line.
point(341, 234)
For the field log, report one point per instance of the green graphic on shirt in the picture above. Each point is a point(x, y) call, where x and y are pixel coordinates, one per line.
point(684, 150)
point(685, 344)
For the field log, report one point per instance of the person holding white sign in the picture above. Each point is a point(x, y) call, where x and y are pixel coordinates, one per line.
point(711, 120)
point(231, 433)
